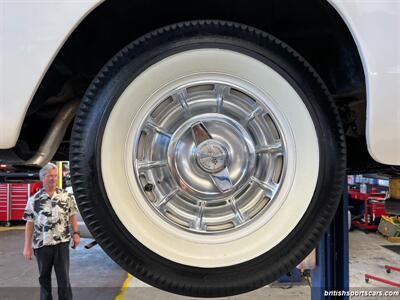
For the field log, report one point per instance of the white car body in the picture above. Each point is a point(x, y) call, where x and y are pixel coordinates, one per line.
point(31, 34)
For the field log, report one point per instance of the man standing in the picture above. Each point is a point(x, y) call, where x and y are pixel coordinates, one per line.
point(49, 213)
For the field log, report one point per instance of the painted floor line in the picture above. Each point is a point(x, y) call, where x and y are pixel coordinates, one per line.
point(11, 228)
point(121, 293)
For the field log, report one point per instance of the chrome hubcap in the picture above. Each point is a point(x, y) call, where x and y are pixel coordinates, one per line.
point(210, 157)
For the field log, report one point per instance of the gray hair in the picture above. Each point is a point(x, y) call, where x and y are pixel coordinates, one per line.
point(43, 171)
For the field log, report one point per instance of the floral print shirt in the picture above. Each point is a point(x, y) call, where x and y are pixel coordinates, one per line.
point(50, 216)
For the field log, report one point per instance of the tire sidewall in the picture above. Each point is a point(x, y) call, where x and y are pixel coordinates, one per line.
point(111, 233)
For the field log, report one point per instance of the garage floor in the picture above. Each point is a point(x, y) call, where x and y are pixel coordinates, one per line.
point(95, 276)
point(368, 256)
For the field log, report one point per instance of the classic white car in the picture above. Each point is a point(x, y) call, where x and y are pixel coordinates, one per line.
point(208, 141)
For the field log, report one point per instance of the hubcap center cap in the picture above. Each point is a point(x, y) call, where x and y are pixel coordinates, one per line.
point(211, 156)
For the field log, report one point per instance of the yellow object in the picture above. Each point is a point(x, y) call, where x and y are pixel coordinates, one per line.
point(394, 239)
point(394, 188)
point(121, 293)
point(60, 177)
point(389, 226)
point(11, 228)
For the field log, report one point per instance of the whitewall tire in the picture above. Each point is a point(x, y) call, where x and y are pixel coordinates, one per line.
point(207, 158)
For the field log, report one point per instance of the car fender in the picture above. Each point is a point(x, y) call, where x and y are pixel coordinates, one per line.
point(375, 27)
point(31, 34)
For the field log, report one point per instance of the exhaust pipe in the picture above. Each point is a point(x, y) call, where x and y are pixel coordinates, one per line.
point(54, 135)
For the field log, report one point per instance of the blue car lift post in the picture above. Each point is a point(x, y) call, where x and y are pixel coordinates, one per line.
point(332, 270)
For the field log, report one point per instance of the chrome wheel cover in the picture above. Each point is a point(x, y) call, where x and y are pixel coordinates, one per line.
point(210, 157)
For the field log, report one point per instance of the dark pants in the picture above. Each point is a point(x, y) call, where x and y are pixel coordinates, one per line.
point(57, 256)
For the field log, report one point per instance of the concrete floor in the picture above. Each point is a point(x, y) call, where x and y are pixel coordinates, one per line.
point(95, 276)
point(367, 256)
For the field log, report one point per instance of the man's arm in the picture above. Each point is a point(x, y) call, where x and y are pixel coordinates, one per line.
point(28, 240)
point(75, 236)
point(74, 223)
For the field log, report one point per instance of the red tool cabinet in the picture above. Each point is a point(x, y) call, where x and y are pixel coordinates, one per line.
point(13, 198)
point(373, 207)
point(3, 202)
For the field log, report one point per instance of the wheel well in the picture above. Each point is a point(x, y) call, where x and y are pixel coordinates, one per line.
point(313, 28)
